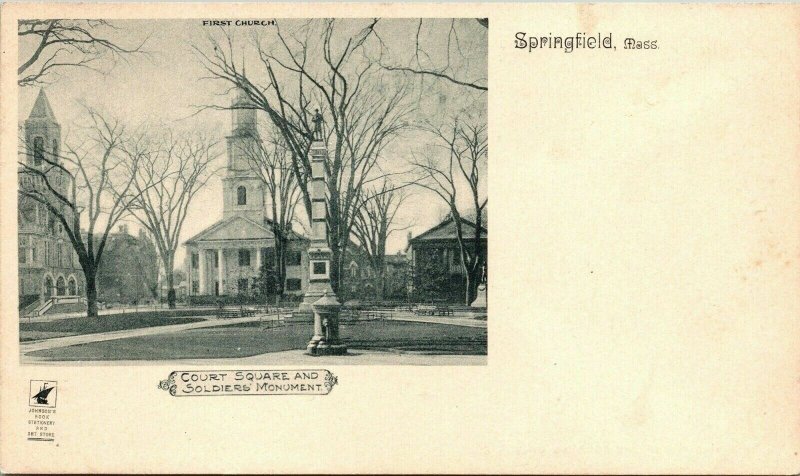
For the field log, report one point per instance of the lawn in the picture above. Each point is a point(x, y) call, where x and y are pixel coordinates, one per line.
point(29, 331)
point(250, 339)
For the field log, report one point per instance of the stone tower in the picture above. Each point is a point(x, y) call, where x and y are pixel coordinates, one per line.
point(42, 132)
point(243, 189)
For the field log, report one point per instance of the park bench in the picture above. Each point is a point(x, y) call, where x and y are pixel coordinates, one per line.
point(225, 313)
point(442, 310)
point(425, 310)
point(376, 313)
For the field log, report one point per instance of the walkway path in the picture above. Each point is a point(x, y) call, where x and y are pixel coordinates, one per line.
point(116, 310)
point(295, 357)
point(455, 321)
point(67, 341)
point(124, 334)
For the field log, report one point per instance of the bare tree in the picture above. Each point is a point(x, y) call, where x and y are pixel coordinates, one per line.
point(373, 225)
point(167, 174)
point(53, 45)
point(467, 153)
point(442, 57)
point(269, 159)
point(364, 111)
point(87, 190)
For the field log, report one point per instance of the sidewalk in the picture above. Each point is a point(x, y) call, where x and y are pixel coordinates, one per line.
point(144, 331)
point(116, 310)
point(454, 321)
point(294, 357)
point(212, 322)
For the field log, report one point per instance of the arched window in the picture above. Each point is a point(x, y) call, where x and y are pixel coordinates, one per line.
point(60, 287)
point(71, 288)
point(38, 151)
point(241, 195)
point(48, 287)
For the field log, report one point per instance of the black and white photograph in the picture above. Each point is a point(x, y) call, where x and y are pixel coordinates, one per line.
point(264, 191)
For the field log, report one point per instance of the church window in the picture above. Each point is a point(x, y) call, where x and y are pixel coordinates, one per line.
point(195, 287)
point(293, 284)
point(294, 258)
point(72, 289)
point(244, 257)
point(33, 254)
point(216, 260)
point(241, 195)
point(242, 286)
point(23, 254)
point(195, 260)
point(38, 151)
point(60, 286)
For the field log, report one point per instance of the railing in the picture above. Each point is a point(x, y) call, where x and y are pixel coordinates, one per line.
point(45, 306)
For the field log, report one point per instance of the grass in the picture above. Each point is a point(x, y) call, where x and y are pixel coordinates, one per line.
point(250, 339)
point(29, 331)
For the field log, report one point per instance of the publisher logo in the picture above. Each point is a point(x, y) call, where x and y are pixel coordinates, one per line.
point(43, 393)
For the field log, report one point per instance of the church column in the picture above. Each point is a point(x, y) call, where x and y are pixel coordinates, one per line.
point(221, 270)
point(201, 271)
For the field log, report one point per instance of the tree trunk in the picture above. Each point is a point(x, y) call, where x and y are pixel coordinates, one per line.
point(473, 280)
point(91, 294)
point(171, 290)
point(469, 297)
point(381, 285)
point(336, 260)
point(168, 270)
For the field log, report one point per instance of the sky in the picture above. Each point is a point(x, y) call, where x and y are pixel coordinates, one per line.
point(165, 88)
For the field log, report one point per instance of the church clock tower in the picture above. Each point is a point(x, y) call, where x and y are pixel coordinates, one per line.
point(243, 189)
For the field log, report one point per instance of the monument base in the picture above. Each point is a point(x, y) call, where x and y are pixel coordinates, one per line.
point(318, 348)
point(480, 299)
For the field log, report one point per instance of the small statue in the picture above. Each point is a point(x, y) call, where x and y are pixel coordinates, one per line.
point(317, 124)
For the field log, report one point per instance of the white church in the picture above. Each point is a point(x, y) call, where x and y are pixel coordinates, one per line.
point(223, 259)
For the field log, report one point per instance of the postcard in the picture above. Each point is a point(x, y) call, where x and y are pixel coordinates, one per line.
point(254, 238)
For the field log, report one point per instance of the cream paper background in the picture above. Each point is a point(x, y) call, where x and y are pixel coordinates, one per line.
point(644, 256)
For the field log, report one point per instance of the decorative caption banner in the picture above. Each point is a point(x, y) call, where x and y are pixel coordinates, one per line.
point(207, 383)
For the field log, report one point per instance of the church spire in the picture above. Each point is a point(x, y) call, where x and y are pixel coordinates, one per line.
point(41, 108)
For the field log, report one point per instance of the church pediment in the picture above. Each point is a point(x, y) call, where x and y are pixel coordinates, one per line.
point(234, 228)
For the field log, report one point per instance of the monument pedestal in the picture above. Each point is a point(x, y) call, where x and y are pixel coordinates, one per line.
point(326, 328)
point(480, 299)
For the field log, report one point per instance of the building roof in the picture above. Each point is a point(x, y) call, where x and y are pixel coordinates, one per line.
point(446, 230)
point(41, 108)
point(290, 233)
point(233, 228)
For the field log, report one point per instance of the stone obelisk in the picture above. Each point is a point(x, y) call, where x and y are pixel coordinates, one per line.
point(320, 298)
point(319, 253)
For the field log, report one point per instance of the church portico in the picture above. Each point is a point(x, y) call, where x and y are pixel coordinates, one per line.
point(222, 268)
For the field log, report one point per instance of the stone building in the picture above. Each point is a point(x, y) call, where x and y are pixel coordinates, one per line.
point(225, 258)
point(436, 260)
point(48, 265)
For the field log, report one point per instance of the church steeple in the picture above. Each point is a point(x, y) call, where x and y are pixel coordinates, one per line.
point(41, 108)
point(244, 114)
point(42, 132)
point(243, 188)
